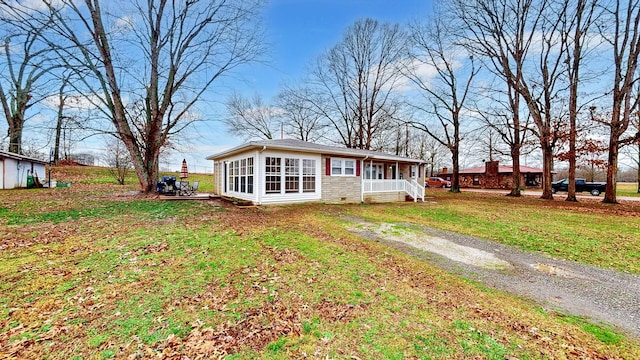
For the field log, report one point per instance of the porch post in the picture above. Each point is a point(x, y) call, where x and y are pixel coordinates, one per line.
point(362, 172)
point(397, 174)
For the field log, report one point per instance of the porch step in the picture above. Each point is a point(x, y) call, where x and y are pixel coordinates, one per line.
point(409, 198)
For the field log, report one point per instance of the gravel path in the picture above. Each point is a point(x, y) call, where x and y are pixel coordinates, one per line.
point(603, 295)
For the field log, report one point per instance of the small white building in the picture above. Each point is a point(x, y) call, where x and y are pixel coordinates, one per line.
point(14, 169)
point(287, 171)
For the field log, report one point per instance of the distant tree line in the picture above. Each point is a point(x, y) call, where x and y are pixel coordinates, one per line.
point(502, 78)
point(508, 77)
point(134, 70)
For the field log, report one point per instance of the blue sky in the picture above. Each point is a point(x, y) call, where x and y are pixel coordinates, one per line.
point(297, 32)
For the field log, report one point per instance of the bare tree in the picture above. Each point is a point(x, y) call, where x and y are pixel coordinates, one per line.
point(448, 91)
point(162, 54)
point(505, 32)
point(61, 118)
point(501, 35)
point(624, 37)
point(354, 82)
point(301, 120)
point(251, 118)
point(117, 159)
point(432, 151)
point(26, 61)
point(576, 25)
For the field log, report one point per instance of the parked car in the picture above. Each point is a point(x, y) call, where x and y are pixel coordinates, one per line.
point(437, 182)
point(595, 188)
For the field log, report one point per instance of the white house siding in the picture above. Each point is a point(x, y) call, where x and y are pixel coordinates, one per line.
point(284, 197)
point(259, 195)
point(222, 170)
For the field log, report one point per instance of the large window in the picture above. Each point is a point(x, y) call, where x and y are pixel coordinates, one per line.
point(343, 167)
point(308, 175)
point(292, 175)
point(289, 175)
point(373, 171)
point(241, 176)
point(250, 175)
point(272, 173)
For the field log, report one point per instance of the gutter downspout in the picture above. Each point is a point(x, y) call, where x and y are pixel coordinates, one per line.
point(362, 172)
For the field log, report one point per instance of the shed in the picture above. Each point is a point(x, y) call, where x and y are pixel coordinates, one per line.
point(14, 169)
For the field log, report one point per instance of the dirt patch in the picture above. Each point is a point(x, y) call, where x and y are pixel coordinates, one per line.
point(449, 249)
point(602, 295)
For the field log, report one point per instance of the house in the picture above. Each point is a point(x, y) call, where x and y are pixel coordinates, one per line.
point(287, 171)
point(83, 159)
point(495, 176)
point(14, 169)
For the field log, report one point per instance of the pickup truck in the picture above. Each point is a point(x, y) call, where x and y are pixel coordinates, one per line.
point(595, 188)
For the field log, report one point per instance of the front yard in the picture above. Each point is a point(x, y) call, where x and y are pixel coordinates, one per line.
point(87, 272)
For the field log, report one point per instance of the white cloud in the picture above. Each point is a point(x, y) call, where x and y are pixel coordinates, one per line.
point(123, 24)
point(27, 6)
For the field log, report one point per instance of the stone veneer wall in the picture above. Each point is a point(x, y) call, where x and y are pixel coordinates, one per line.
point(218, 172)
point(384, 197)
point(340, 189)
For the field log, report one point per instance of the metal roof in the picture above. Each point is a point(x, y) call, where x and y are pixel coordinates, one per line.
point(307, 147)
point(15, 156)
point(501, 169)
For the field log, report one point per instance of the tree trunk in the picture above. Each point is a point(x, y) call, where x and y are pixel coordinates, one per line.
point(455, 177)
point(638, 179)
point(571, 190)
point(15, 136)
point(455, 152)
point(515, 147)
point(56, 146)
point(547, 168)
point(515, 176)
point(612, 170)
point(147, 172)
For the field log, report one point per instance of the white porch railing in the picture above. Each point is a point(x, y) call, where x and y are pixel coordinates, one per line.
point(411, 187)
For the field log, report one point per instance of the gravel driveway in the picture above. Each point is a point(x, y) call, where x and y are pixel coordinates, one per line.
point(603, 295)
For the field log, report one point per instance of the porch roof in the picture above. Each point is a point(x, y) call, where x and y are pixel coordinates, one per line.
point(308, 147)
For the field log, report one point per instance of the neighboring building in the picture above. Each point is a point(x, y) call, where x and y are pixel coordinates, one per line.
point(83, 159)
point(495, 176)
point(14, 169)
point(287, 171)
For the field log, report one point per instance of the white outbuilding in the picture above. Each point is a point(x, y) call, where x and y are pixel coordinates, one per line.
point(15, 168)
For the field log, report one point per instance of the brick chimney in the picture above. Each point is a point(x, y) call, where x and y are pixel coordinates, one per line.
point(491, 168)
point(445, 170)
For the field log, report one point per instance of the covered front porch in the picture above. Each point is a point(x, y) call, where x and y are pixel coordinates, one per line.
point(392, 181)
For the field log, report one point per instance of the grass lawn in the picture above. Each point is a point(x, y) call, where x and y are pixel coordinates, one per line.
point(90, 273)
point(627, 189)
